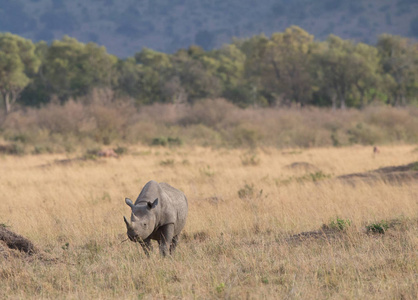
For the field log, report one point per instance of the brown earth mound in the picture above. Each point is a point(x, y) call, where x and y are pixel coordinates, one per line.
point(13, 245)
point(393, 174)
point(14, 241)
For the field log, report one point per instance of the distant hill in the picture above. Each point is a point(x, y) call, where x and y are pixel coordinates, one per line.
point(126, 26)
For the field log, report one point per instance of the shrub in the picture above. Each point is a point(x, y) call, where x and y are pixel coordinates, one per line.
point(318, 176)
point(250, 159)
point(120, 150)
point(245, 136)
point(41, 149)
point(379, 227)
point(248, 192)
point(159, 141)
point(13, 149)
point(339, 224)
point(166, 141)
point(174, 141)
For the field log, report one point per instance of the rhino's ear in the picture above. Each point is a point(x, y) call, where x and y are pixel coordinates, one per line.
point(152, 205)
point(129, 202)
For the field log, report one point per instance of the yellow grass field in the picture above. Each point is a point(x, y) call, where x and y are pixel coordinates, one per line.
point(232, 247)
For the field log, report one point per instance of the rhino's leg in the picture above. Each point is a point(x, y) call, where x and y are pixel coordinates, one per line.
point(174, 244)
point(146, 245)
point(167, 233)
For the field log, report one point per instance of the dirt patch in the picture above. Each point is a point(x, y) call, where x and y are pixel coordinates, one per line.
point(392, 174)
point(302, 167)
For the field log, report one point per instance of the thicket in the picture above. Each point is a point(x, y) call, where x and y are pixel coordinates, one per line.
point(288, 68)
point(218, 123)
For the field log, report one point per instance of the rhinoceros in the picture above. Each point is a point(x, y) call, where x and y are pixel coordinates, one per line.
point(159, 213)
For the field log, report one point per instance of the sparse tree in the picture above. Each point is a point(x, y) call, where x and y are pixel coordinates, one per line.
point(18, 65)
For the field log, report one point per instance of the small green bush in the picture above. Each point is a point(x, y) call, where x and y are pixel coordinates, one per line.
point(166, 141)
point(120, 150)
point(318, 176)
point(379, 227)
point(40, 149)
point(246, 192)
point(339, 224)
point(159, 141)
point(174, 141)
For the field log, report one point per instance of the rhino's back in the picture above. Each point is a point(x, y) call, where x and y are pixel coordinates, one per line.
point(178, 205)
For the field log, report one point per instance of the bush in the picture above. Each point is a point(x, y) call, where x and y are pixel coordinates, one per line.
point(120, 150)
point(250, 159)
point(166, 141)
point(248, 192)
point(215, 123)
point(339, 224)
point(13, 149)
point(379, 227)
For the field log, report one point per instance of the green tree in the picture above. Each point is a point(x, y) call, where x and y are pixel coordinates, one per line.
point(367, 77)
point(196, 75)
point(288, 60)
point(255, 91)
point(18, 64)
point(72, 69)
point(399, 59)
point(344, 69)
point(139, 82)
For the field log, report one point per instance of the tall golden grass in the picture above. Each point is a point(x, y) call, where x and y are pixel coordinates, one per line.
point(232, 247)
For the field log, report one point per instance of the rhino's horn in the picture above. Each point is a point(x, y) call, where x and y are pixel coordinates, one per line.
point(127, 223)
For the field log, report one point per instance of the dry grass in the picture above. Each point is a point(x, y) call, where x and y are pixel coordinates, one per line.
point(232, 247)
point(215, 123)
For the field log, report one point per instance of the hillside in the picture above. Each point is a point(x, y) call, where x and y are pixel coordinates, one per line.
point(125, 27)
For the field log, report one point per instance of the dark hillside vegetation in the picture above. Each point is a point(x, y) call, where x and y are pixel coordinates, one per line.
point(125, 27)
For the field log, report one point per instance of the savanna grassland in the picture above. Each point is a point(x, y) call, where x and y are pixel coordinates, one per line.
point(245, 211)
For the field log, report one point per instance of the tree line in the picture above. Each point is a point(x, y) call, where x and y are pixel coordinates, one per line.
point(288, 68)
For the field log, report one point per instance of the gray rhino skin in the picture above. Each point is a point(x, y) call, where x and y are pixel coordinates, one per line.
point(159, 213)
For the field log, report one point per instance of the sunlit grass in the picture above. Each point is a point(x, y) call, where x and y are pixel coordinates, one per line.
point(232, 246)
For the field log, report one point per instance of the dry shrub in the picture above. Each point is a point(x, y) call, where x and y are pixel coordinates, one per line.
point(209, 112)
point(398, 124)
point(205, 123)
point(167, 114)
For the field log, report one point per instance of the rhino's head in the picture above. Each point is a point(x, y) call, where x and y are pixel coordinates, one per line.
point(143, 220)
